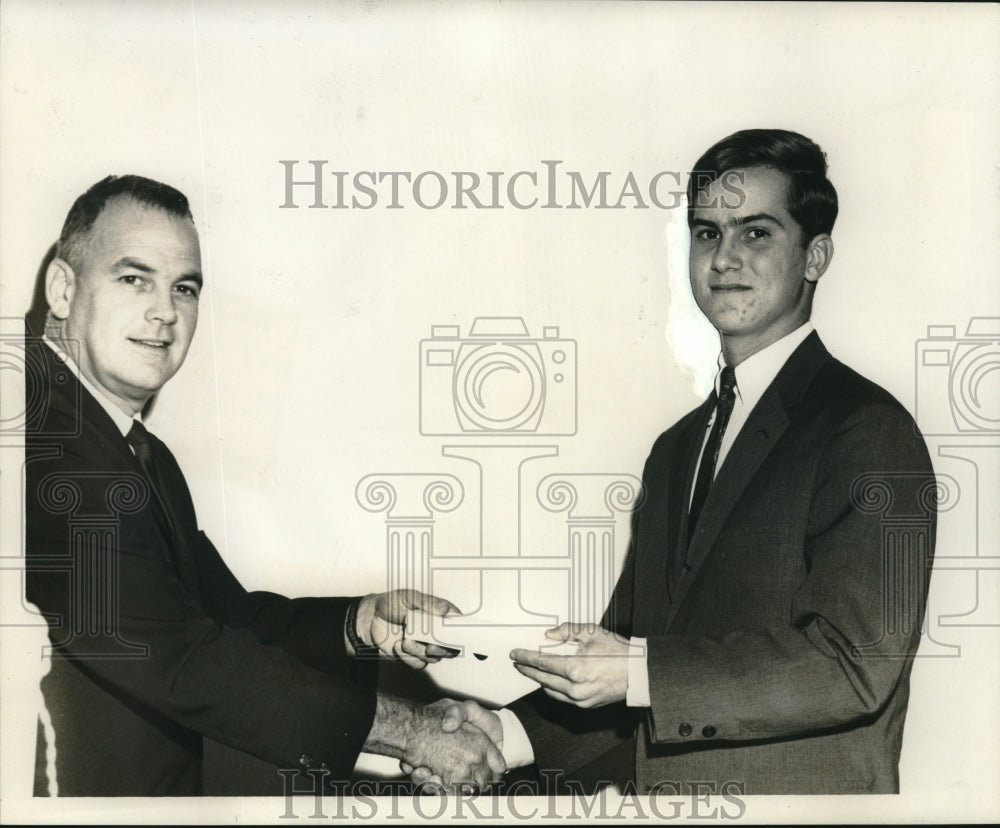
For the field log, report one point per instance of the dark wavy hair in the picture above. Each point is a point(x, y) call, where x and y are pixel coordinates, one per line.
point(812, 199)
point(88, 207)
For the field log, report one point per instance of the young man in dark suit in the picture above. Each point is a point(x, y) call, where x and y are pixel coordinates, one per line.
point(157, 648)
point(762, 632)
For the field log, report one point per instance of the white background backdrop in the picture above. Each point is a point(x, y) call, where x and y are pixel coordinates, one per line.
point(304, 373)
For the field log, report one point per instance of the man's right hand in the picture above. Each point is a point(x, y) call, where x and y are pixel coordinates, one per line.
point(457, 716)
point(449, 747)
point(381, 619)
point(454, 754)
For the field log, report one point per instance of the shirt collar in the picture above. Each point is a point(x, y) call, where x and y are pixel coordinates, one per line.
point(757, 372)
point(121, 420)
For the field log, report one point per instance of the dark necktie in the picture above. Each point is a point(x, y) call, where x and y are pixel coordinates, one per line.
point(710, 456)
point(166, 505)
point(138, 438)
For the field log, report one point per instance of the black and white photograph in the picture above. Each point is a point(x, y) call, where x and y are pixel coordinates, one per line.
point(484, 411)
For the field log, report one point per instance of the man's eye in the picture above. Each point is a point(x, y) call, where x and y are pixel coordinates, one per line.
point(706, 235)
point(130, 279)
point(188, 290)
point(755, 233)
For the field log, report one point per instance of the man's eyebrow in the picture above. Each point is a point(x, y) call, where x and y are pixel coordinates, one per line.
point(193, 276)
point(135, 264)
point(738, 221)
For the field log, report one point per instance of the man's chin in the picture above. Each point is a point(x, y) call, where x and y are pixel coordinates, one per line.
point(143, 385)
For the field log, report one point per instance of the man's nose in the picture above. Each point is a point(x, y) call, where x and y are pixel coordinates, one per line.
point(726, 256)
point(161, 308)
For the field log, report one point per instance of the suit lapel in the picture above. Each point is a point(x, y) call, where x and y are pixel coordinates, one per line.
point(180, 511)
point(95, 425)
point(681, 480)
point(761, 432)
point(661, 521)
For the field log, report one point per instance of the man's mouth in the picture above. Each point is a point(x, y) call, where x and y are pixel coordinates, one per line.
point(729, 288)
point(159, 344)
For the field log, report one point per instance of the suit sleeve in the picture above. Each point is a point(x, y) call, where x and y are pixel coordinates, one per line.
point(256, 671)
point(853, 623)
point(311, 629)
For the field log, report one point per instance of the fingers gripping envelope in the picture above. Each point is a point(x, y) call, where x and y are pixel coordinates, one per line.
point(482, 668)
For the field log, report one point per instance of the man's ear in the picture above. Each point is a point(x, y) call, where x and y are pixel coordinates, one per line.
point(60, 287)
point(818, 257)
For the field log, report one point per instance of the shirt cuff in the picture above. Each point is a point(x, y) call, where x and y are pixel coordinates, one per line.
point(637, 693)
point(517, 750)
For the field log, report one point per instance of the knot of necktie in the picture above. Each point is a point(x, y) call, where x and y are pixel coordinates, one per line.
point(138, 439)
point(727, 387)
point(137, 434)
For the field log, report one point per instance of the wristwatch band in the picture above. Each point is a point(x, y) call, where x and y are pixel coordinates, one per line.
point(361, 650)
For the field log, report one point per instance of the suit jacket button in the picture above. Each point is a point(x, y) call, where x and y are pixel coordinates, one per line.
point(708, 731)
point(305, 760)
point(685, 729)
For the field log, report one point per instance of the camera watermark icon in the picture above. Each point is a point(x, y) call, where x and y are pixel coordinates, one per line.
point(958, 378)
point(497, 380)
point(30, 362)
point(33, 373)
point(70, 527)
point(957, 403)
point(499, 387)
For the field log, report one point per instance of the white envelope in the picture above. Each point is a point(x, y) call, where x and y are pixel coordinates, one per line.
point(482, 669)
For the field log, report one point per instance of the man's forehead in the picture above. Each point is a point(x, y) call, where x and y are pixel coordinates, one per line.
point(738, 196)
point(130, 211)
point(126, 221)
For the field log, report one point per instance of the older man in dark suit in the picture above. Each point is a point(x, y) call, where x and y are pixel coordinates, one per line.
point(762, 632)
point(157, 648)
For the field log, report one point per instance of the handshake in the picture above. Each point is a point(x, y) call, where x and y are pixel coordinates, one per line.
point(454, 745)
point(446, 745)
point(450, 744)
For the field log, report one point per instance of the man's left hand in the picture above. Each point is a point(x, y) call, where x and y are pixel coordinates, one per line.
point(596, 675)
point(382, 620)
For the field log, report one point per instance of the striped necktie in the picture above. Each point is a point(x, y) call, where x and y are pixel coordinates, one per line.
point(710, 456)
